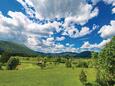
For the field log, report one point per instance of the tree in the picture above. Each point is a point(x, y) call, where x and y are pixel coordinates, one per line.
point(83, 77)
point(68, 63)
point(42, 63)
point(106, 63)
point(5, 56)
point(12, 63)
point(0, 66)
point(94, 55)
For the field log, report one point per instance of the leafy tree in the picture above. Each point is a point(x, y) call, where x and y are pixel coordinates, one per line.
point(12, 63)
point(0, 66)
point(42, 63)
point(106, 63)
point(68, 63)
point(94, 55)
point(5, 56)
point(82, 64)
point(83, 77)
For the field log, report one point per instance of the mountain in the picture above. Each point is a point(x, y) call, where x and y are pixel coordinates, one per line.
point(84, 54)
point(16, 49)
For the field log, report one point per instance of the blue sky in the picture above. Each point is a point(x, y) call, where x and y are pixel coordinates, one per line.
point(63, 26)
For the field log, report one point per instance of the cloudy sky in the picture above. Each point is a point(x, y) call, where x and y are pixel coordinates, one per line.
point(54, 26)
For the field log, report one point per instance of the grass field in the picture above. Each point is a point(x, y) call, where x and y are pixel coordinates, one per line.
point(31, 75)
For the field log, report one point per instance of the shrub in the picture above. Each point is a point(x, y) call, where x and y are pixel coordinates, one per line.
point(27, 58)
point(42, 63)
point(82, 64)
point(4, 57)
point(68, 63)
point(0, 66)
point(58, 60)
point(12, 63)
point(83, 77)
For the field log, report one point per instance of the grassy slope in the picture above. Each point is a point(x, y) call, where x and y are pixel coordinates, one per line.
point(32, 75)
point(16, 48)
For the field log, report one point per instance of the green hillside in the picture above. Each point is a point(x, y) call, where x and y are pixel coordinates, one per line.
point(16, 49)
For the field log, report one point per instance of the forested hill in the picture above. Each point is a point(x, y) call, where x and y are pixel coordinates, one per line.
point(16, 49)
point(84, 54)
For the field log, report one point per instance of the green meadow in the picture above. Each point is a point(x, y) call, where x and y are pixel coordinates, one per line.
point(29, 74)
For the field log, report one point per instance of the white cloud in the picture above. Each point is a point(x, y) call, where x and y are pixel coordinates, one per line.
point(84, 31)
point(77, 11)
point(60, 38)
point(75, 33)
point(83, 17)
point(88, 46)
point(113, 10)
point(28, 5)
point(110, 2)
point(106, 1)
point(108, 30)
point(54, 8)
point(19, 24)
point(95, 1)
point(103, 43)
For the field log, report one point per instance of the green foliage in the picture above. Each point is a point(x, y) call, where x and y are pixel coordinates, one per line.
point(17, 49)
point(82, 64)
point(58, 60)
point(42, 63)
point(5, 56)
point(0, 66)
point(12, 63)
point(106, 63)
point(68, 63)
point(94, 55)
point(83, 77)
point(99, 79)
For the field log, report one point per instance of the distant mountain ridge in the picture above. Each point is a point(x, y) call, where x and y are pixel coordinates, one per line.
point(22, 50)
point(84, 54)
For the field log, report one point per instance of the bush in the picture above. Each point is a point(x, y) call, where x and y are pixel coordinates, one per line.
point(82, 64)
point(12, 63)
point(27, 58)
point(42, 63)
point(4, 57)
point(83, 77)
point(0, 66)
point(68, 63)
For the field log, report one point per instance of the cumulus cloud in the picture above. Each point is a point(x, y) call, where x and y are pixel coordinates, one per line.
point(110, 2)
point(85, 15)
point(108, 30)
point(18, 24)
point(89, 46)
point(75, 33)
point(106, 1)
point(60, 38)
point(113, 10)
point(54, 8)
point(75, 10)
point(50, 46)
